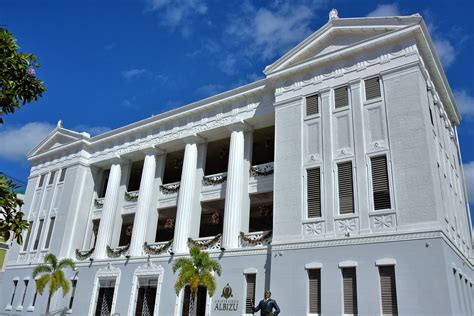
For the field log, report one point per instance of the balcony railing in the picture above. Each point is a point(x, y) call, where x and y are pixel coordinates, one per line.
point(158, 248)
point(170, 188)
point(99, 203)
point(256, 239)
point(264, 169)
point(132, 196)
point(214, 179)
point(83, 255)
point(118, 251)
point(206, 243)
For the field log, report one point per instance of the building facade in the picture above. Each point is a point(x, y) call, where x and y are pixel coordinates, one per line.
point(336, 181)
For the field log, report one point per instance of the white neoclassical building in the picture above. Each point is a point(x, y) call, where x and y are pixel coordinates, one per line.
point(335, 182)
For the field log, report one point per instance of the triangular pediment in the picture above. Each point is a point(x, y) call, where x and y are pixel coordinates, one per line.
point(57, 138)
point(338, 35)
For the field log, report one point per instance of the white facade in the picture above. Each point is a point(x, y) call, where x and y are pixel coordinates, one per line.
point(418, 225)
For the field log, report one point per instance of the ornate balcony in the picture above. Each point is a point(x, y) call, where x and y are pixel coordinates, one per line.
point(118, 251)
point(256, 239)
point(206, 243)
point(158, 248)
point(99, 203)
point(214, 179)
point(170, 188)
point(132, 196)
point(262, 170)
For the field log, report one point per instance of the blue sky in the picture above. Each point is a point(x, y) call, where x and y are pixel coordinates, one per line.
point(109, 63)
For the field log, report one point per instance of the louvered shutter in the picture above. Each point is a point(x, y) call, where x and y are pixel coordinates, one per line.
point(314, 192)
point(250, 298)
point(388, 290)
point(372, 88)
point(380, 183)
point(312, 105)
point(350, 290)
point(346, 190)
point(314, 291)
point(341, 97)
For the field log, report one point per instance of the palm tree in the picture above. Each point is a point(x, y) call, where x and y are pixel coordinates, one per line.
point(195, 271)
point(52, 273)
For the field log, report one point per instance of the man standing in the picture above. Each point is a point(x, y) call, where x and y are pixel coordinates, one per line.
point(267, 305)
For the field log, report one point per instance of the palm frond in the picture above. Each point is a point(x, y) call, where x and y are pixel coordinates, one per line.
point(65, 286)
point(41, 283)
point(182, 262)
point(51, 258)
point(215, 266)
point(42, 268)
point(180, 283)
point(67, 262)
point(209, 281)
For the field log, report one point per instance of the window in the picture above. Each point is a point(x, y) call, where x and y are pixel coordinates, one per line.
point(135, 176)
point(15, 284)
point(431, 116)
point(41, 181)
point(388, 290)
point(146, 297)
point(63, 174)
point(38, 234)
point(380, 184)
point(34, 299)
point(314, 192)
point(200, 305)
point(346, 189)
point(24, 291)
point(250, 293)
point(312, 105)
point(349, 283)
point(50, 232)
point(105, 297)
point(51, 177)
point(28, 235)
point(95, 231)
point(372, 88)
point(314, 276)
point(105, 180)
point(127, 229)
point(73, 292)
point(341, 97)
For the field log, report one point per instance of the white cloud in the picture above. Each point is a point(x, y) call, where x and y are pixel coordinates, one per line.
point(92, 130)
point(133, 73)
point(210, 89)
point(268, 32)
point(469, 174)
point(18, 141)
point(446, 51)
point(386, 10)
point(465, 102)
point(177, 13)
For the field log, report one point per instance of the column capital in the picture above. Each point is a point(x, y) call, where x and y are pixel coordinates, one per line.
point(154, 150)
point(118, 159)
point(240, 126)
point(193, 139)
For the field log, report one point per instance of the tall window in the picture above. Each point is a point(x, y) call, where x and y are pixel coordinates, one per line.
point(50, 232)
point(380, 184)
point(105, 181)
point(314, 276)
point(63, 174)
point(15, 284)
point(24, 291)
point(146, 297)
point(51, 177)
point(135, 176)
point(313, 179)
point(388, 290)
point(34, 298)
point(341, 97)
point(250, 293)
point(41, 182)
point(349, 283)
point(346, 189)
point(105, 298)
point(312, 105)
point(38, 234)
point(28, 235)
point(73, 292)
point(95, 231)
point(372, 88)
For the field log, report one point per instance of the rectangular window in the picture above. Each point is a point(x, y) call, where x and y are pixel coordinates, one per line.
point(63, 174)
point(50, 232)
point(51, 177)
point(95, 231)
point(28, 235)
point(431, 116)
point(314, 192)
point(15, 284)
point(41, 181)
point(135, 176)
point(372, 88)
point(349, 283)
point(105, 297)
point(346, 188)
point(388, 290)
point(341, 97)
point(146, 297)
point(105, 180)
point(250, 294)
point(34, 299)
point(24, 292)
point(312, 105)
point(314, 276)
point(380, 184)
point(71, 300)
point(38, 234)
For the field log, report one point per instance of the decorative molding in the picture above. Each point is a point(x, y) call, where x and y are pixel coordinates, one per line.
point(214, 179)
point(158, 248)
point(256, 239)
point(117, 252)
point(386, 262)
point(347, 264)
point(170, 188)
point(382, 222)
point(207, 243)
point(261, 170)
point(314, 229)
point(99, 203)
point(313, 265)
point(347, 226)
point(108, 271)
point(132, 196)
point(250, 271)
point(83, 255)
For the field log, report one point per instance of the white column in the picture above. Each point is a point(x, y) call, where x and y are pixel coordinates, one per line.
point(185, 197)
point(234, 191)
point(145, 199)
point(108, 211)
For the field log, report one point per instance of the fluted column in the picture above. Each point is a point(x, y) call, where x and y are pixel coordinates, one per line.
point(108, 211)
point(186, 196)
point(145, 199)
point(233, 195)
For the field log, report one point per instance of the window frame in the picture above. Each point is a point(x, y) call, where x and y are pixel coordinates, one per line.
point(354, 188)
point(374, 100)
point(306, 193)
point(308, 268)
point(305, 99)
point(371, 185)
point(336, 109)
